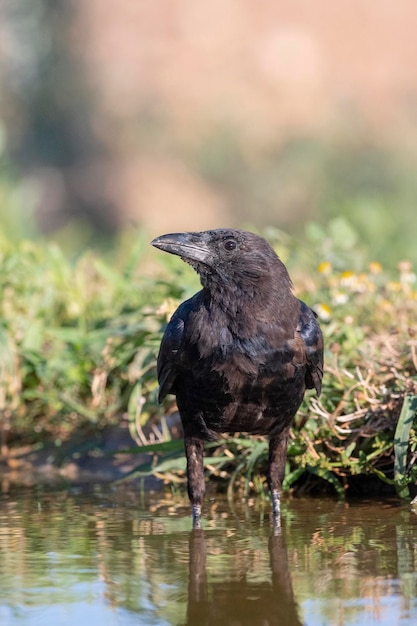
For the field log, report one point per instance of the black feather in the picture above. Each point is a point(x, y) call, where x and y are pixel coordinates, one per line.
point(240, 354)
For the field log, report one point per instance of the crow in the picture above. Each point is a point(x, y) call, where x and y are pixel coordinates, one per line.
point(240, 354)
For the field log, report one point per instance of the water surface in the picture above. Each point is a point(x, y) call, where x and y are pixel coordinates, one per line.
point(117, 558)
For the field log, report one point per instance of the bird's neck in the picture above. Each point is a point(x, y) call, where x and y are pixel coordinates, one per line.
point(247, 305)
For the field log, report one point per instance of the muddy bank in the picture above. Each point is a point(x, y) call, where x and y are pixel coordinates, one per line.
point(108, 456)
point(93, 460)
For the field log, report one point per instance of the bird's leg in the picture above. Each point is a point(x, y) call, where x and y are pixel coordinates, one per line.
point(194, 449)
point(276, 470)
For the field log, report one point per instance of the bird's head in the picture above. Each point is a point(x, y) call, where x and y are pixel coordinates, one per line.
point(226, 257)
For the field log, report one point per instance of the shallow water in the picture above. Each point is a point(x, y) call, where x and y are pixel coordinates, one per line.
point(120, 559)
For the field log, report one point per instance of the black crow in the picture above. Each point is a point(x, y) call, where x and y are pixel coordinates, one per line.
point(240, 353)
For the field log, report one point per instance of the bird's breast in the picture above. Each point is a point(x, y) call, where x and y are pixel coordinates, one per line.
point(232, 399)
point(245, 378)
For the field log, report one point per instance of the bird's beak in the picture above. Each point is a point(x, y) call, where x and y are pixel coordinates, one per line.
point(189, 246)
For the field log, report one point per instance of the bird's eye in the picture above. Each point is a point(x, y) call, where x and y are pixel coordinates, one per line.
point(229, 245)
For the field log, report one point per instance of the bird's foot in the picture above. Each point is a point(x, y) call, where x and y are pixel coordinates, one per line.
point(196, 513)
point(276, 507)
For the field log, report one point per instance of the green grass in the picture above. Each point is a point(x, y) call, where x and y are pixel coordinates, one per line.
point(79, 341)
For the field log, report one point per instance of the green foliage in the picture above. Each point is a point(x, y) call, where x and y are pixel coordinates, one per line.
point(367, 314)
point(79, 341)
point(403, 471)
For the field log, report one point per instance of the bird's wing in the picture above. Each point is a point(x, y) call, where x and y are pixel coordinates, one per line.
point(169, 356)
point(310, 332)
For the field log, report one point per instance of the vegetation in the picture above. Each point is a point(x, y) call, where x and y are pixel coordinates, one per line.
point(79, 341)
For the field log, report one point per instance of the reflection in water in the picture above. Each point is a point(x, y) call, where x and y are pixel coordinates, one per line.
point(240, 602)
point(115, 559)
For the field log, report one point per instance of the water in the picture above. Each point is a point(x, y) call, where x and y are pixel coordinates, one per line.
point(119, 559)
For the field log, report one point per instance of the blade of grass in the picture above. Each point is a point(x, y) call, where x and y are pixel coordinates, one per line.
point(164, 446)
point(401, 443)
point(174, 463)
point(323, 473)
point(259, 449)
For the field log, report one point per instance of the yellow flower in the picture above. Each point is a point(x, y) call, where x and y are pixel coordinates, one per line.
point(375, 267)
point(339, 297)
point(386, 305)
point(348, 279)
point(325, 267)
point(393, 286)
point(324, 311)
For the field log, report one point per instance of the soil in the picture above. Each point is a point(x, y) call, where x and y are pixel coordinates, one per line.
point(100, 459)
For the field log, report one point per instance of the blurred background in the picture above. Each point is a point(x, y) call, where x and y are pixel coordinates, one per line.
point(171, 115)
